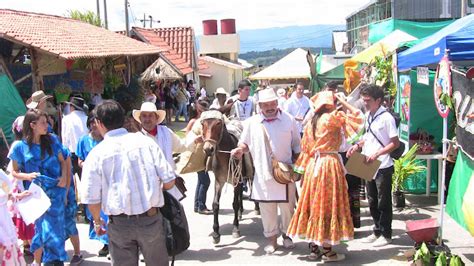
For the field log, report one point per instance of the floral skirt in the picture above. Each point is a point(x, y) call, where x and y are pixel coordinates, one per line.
point(12, 256)
point(323, 214)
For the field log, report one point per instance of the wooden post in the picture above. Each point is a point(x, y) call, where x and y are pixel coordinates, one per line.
point(36, 76)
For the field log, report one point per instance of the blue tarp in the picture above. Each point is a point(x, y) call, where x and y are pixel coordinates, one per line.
point(458, 37)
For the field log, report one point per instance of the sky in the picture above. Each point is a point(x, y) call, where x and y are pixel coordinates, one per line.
point(249, 14)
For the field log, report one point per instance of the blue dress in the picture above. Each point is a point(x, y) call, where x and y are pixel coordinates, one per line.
point(84, 146)
point(70, 211)
point(50, 227)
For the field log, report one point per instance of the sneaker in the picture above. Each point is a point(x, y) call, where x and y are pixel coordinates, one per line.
point(205, 211)
point(104, 251)
point(76, 260)
point(382, 241)
point(288, 243)
point(370, 239)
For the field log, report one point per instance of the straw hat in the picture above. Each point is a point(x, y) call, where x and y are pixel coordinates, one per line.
point(321, 99)
point(281, 92)
point(221, 91)
point(149, 107)
point(267, 95)
point(77, 102)
point(36, 98)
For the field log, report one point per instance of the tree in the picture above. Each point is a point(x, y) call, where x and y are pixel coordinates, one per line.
point(86, 16)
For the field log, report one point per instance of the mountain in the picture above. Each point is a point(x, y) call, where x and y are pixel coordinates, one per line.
point(287, 37)
point(266, 58)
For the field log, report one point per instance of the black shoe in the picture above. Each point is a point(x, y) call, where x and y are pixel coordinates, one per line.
point(76, 260)
point(104, 251)
point(205, 211)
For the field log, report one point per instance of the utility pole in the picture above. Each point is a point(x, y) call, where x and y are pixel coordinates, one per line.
point(151, 21)
point(144, 20)
point(463, 8)
point(105, 15)
point(98, 9)
point(126, 19)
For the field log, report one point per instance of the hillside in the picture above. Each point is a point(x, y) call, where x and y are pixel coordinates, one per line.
point(266, 58)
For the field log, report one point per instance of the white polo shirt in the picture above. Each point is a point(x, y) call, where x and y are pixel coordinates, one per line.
point(385, 128)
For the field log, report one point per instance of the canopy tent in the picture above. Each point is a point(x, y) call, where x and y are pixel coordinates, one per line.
point(292, 66)
point(336, 74)
point(11, 105)
point(458, 38)
point(378, 31)
point(383, 47)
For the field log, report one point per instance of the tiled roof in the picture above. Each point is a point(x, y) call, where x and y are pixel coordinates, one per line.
point(67, 38)
point(178, 43)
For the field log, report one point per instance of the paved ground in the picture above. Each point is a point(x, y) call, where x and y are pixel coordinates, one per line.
point(248, 249)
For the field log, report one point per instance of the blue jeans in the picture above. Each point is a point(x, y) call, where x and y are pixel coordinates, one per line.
point(201, 191)
point(182, 110)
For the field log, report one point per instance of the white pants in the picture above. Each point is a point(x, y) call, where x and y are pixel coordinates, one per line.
point(272, 225)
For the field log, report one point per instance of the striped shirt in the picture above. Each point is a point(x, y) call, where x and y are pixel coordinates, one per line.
point(125, 173)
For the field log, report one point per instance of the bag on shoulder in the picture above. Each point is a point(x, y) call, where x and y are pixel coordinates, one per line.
point(398, 152)
point(175, 225)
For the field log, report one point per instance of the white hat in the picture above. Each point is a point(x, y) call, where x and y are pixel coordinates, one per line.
point(267, 95)
point(281, 92)
point(221, 91)
point(36, 98)
point(149, 107)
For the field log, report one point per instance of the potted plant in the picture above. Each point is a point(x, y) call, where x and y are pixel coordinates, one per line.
point(404, 167)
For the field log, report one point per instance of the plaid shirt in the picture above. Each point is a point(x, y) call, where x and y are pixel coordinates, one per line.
point(125, 173)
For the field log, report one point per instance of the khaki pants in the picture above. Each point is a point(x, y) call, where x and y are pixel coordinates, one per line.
point(272, 225)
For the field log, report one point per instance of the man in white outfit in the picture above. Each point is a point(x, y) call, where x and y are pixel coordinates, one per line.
point(284, 139)
point(298, 105)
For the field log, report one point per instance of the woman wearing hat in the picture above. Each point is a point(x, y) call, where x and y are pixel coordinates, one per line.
point(323, 216)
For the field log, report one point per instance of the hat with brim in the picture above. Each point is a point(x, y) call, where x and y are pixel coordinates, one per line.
point(149, 107)
point(267, 95)
point(324, 98)
point(77, 102)
point(36, 98)
point(221, 91)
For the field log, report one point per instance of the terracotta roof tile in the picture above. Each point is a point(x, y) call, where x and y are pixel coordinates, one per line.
point(67, 38)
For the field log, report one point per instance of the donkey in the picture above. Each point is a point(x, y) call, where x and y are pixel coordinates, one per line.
point(218, 143)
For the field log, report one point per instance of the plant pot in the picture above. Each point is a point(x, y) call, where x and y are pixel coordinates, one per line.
point(398, 199)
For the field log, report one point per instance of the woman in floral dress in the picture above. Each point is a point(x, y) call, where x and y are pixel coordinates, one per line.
point(323, 215)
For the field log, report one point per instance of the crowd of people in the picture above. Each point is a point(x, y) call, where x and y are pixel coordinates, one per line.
point(122, 171)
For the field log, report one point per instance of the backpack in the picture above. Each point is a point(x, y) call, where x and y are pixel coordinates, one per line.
point(398, 152)
point(175, 226)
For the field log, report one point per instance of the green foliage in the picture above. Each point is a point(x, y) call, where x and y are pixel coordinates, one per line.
point(86, 16)
point(441, 260)
point(446, 100)
point(266, 58)
point(384, 74)
point(404, 167)
point(423, 254)
point(456, 261)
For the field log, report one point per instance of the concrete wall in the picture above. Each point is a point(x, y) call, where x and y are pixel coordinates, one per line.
point(222, 76)
point(219, 44)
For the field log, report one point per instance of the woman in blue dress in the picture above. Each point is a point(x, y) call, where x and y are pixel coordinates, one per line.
point(38, 158)
point(84, 146)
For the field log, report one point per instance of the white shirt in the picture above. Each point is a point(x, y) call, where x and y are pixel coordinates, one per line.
point(298, 107)
point(384, 127)
point(150, 98)
point(284, 139)
point(215, 104)
point(242, 110)
point(74, 126)
point(125, 173)
point(203, 93)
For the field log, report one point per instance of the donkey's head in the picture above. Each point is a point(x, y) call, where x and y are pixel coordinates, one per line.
point(212, 130)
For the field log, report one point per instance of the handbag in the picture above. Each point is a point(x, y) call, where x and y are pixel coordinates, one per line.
point(282, 172)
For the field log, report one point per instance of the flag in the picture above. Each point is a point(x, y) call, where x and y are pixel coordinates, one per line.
point(460, 202)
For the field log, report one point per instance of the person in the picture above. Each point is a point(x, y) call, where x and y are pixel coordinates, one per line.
point(182, 100)
point(192, 91)
point(150, 96)
point(169, 99)
point(284, 138)
point(10, 253)
point(150, 119)
point(124, 175)
point(298, 105)
point(244, 106)
point(203, 94)
point(84, 146)
point(322, 215)
point(220, 99)
point(96, 100)
point(39, 100)
point(38, 158)
point(25, 232)
point(74, 126)
point(379, 125)
point(203, 177)
point(281, 93)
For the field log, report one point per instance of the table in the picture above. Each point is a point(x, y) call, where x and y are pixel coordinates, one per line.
point(428, 158)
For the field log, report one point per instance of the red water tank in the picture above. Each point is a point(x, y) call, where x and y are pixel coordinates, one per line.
point(209, 27)
point(228, 26)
